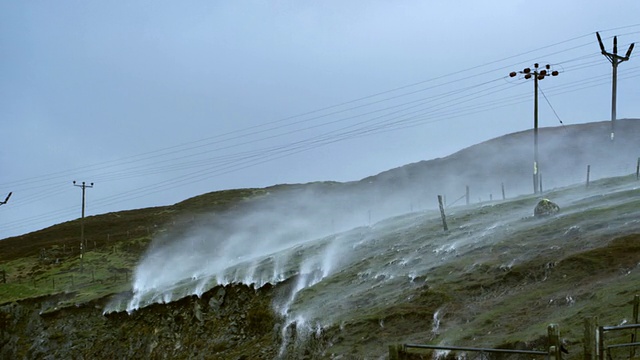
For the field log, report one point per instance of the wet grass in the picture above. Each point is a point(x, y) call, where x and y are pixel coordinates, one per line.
point(508, 277)
point(102, 272)
point(578, 264)
point(47, 262)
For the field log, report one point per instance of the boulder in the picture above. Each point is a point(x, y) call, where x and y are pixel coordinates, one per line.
point(546, 207)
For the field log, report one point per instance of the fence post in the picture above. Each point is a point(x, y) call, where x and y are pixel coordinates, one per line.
point(444, 219)
point(588, 173)
point(634, 336)
point(638, 169)
point(554, 341)
point(4, 276)
point(600, 343)
point(467, 194)
point(590, 342)
point(502, 186)
point(393, 352)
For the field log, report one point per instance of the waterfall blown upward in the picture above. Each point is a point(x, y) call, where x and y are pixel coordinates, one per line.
point(330, 275)
point(256, 244)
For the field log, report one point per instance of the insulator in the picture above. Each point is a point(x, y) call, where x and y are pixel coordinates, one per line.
point(512, 74)
point(526, 71)
point(629, 51)
point(554, 73)
point(543, 72)
point(535, 65)
point(527, 76)
point(540, 77)
point(548, 66)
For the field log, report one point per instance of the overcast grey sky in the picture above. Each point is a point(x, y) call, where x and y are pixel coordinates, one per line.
point(158, 101)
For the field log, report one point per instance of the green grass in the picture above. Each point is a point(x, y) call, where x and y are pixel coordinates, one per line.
point(47, 262)
point(104, 271)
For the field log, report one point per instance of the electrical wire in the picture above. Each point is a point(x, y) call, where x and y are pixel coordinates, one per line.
point(392, 117)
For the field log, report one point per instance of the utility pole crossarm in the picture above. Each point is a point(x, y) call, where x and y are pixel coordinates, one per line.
point(604, 52)
point(7, 199)
point(628, 54)
point(615, 60)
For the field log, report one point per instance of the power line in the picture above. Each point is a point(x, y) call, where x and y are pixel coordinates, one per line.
point(359, 119)
point(245, 165)
point(244, 133)
point(227, 170)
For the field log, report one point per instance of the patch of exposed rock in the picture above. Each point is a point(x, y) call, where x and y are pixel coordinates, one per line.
point(225, 323)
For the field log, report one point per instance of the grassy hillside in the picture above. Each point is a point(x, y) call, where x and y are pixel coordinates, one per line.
point(48, 261)
point(582, 263)
point(498, 277)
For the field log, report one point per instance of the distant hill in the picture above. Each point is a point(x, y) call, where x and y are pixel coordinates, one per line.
point(564, 153)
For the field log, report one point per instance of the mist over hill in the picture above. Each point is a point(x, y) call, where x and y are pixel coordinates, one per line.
point(564, 153)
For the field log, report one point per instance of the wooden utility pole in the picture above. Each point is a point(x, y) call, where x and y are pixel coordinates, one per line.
point(537, 74)
point(615, 59)
point(82, 243)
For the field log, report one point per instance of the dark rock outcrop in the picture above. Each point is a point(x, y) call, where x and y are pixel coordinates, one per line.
point(188, 328)
point(546, 207)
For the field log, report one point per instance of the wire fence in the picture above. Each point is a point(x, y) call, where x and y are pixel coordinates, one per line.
point(552, 350)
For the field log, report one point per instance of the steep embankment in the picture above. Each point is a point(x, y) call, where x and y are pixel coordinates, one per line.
point(222, 324)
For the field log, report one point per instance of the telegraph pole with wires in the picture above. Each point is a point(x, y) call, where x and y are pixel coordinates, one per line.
point(82, 243)
point(615, 59)
point(6, 200)
point(536, 74)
